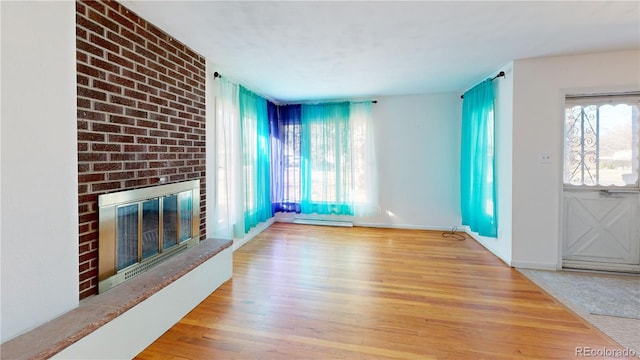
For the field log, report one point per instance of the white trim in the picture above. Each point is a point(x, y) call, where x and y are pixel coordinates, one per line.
point(406, 226)
point(323, 222)
point(285, 219)
point(535, 265)
point(237, 243)
point(482, 241)
point(593, 265)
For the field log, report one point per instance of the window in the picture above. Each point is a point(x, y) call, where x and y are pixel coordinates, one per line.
point(323, 159)
point(601, 141)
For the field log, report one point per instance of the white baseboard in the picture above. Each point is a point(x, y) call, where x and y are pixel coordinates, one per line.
point(127, 335)
point(237, 243)
point(535, 265)
point(405, 226)
point(506, 258)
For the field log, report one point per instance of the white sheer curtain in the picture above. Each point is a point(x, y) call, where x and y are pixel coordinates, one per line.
point(364, 164)
point(228, 212)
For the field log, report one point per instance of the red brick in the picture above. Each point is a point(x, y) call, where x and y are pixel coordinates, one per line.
point(136, 113)
point(156, 84)
point(91, 93)
point(175, 75)
point(109, 166)
point(83, 103)
point(135, 94)
point(122, 157)
point(168, 142)
point(105, 186)
point(157, 32)
point(141, 31)
point(158, 133)
point(106, 147)
point(168, 156)
point(148, 107)
point(114, 15)
point(159, 101)
point(131, 184)
point(136, 165)
point(115, 99)
point(106, 128)
point(104, 65)
point(177, 60)
point(147, 156)
point(120, 60)
point(168, 46)
point(147, 124)
point(147, 173)
point(147, 89)
point(133, 56)
point(124, 120)
point(90, 136)
point(120, 40)
point(107, 86)
point(89, 48)
point(84, 178)
point(144, 52)
point(124, 175)
point(176, 178)
point(167, 80)
point(84, 23)
point(168, 171)
point(146, 140)
point(120, 138)
point(88, 274)
point(110, 108)
point(111, 25)
point(81, 57)
point(157, 50)
point(146, 71)
point(103, 43)
point(135, 131)
point(128, 34)
point(80, 9)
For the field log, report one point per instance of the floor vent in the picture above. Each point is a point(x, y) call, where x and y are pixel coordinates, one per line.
point(342, 223)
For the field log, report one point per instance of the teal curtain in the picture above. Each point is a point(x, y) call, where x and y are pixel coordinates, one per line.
point(326, 159)
point(477, 161)
point(256, 153)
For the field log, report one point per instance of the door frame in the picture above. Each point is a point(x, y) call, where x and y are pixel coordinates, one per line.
point(577, 264)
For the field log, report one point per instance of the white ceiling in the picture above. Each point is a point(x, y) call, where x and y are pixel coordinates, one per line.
point(316, 50)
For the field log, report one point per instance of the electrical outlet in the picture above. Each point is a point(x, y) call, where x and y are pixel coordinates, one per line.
point(544, 158)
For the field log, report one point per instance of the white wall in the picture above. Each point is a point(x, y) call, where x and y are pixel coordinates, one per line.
point(418, 151)
point(539, 87)
point(39, 217)
point(418, 147)
point(503, 86)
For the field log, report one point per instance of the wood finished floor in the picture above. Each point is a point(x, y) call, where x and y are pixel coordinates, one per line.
point(313, 292)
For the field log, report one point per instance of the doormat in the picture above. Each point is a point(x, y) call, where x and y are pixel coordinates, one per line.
point(598, 294)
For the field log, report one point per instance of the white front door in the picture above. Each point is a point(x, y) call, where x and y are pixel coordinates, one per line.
point(601, 198)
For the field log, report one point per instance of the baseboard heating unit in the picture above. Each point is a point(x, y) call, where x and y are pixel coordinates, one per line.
point(306, 221)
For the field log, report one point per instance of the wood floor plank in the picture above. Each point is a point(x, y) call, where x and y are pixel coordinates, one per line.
point(314, 292)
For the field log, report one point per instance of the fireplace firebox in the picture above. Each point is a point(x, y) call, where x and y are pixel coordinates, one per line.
point(142, 227)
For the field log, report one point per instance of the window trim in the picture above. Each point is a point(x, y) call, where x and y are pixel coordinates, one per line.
point(600, 99)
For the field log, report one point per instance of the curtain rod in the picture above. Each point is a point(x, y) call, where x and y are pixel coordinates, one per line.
point(217, 75)
point(500, 74)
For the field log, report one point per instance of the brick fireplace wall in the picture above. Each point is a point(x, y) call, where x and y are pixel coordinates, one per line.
point(141, 115)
